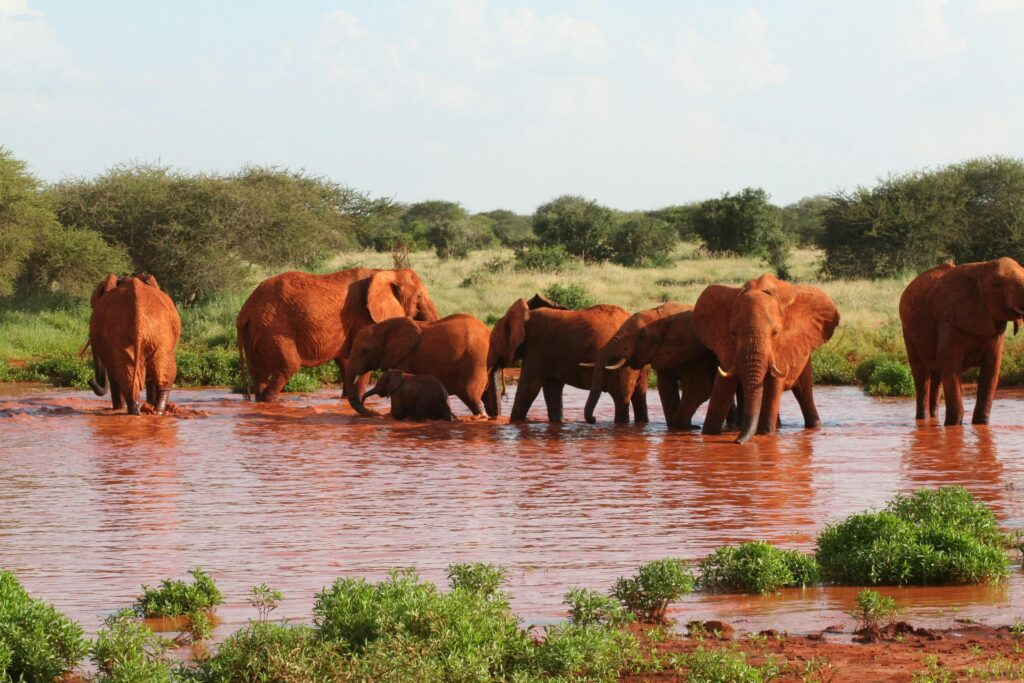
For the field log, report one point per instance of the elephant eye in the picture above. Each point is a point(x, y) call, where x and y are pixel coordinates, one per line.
point(769, 292)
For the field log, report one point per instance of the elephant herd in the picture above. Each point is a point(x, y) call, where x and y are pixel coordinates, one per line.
point(739, 348)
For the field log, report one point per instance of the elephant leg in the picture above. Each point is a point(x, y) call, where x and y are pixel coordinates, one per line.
point(987, 382)
point(133, 404)
point(273, 388)
point(735, 415)
point(341, 376)
point(116, 397)
point(934, 385)
point(161, 402)
point(526, 393)
point(398, 407)
point(769, 421)
point(151, 392)
point(639, 398)
point(922, 382)
point(721, 401)
point(803, 391)
point(954, 397)
point(474, 404)
point(553, 399)
point(668, 391)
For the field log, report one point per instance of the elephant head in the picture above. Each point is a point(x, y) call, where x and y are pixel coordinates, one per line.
point(767, 327)
point(982, 297)
point(507, 337)
point(394, 293)
point(99, 384)
point(384, 345)
point(387, 384)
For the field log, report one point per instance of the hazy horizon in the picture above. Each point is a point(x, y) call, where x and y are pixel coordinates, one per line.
point(509, 104)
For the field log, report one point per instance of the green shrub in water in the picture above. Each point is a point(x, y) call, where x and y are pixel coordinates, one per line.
point(574, 652)
point(872, 608)
point(37, 643)
point(587, 607)
point(177, 598)
point(890, 378)
point(573, 295)
point(756, 567)
point(831, 367)
point(935, 536)
point(216, 367)
point(724, 666)
point(648, 593)
point(264, 651)
point(302, 382)
point(125, 651)
point(478, 577)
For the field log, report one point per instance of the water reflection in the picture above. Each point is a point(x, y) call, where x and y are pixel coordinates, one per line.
point(300, 492)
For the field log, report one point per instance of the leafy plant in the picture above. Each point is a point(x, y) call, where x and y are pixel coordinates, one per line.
point(872, 608)
point(756, 567)
point(641, 241)
point(542, 259)
point(935, 536)
point(724, 665)
point(481, 578)
point(648, 593)
point(590, 652)
point(176, 598)
point(274, 652)
point(264, 599)
point(890, 378)
point(588, 607)
point(573, 295)
point(37, 643)
point(125, 651)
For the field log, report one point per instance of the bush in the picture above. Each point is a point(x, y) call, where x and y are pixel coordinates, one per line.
point(451, 240)
point(580, 225)
point(483, 579)
point(274, 652)
point(210, 368)
point(648, 593)
point(873, 608)
point(125, 651)
point(724, 666)
point(572, 652)
point(890, 378)
point(509, 228)
point(641, 241)
point(588, 607)
point(745, 224)
point(831, 367)
point(25, 218)
point(573, 295)
point(804, 220)
point(679, 218)
point(935, 536)
point(72, 261)
point(176, 598)
point(37, 643)
point(756, 567)
point(60, 372)
point(541, 259)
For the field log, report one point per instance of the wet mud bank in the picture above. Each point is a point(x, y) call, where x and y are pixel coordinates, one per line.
point(300, 492)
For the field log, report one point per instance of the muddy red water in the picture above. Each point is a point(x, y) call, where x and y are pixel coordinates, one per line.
point(294, 494)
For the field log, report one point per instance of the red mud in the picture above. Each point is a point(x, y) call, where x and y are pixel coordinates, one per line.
point(300, 492)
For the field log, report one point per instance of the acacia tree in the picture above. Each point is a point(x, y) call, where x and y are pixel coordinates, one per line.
point(24, 218)
point(580, 225)
point(744, 224)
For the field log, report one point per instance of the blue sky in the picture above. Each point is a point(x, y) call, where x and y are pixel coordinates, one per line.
point(507, 104)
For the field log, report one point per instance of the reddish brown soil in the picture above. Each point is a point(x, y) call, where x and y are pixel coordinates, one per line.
point(831, 657)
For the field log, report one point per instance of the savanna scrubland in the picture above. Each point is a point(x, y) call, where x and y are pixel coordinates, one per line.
point(209, 238)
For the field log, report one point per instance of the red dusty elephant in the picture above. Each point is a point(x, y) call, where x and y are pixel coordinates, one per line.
point(453, 349)
point(134, 330)
point(684, 366)
point(297, 320)
point(763, 334)
point(551, 344)
point(413, 397)
point(613, 356)
point(954, 318)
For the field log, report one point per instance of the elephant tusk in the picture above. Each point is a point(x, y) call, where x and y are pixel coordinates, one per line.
point(778, 372)
point(616, 366)
point(587, 365)
point(726, 373)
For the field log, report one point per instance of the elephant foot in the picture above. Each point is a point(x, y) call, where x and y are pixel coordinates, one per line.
point(134, 408)
point(590, 419)
point(161, 402)
point(812, 424)
point(954, 421)
point(980, 420)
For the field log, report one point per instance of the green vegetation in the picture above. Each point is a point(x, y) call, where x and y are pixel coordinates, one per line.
point(756, 567)
point(890, 378)
point(580, 225)
point(724, 666)
point(647, 593)
point(573, 295)
point(37, 643)
point(935, 536)
point(125, 651)
point(588, 607)
point(872, 608)
point(177, 598)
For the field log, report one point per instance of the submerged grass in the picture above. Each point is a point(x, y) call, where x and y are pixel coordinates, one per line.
point(177, 598)
point(756, 567)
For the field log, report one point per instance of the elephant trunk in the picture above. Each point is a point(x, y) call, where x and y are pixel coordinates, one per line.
point(351, 392)
point(752, 377)
point(492, 401)
point(99, 385)
point(596, 386)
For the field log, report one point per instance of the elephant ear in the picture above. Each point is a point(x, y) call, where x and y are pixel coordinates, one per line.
point(711, 321)
point(382, 297)
point(959, 297)
point(398, 339)
point(149, 280)
point(108, 284)
point(510, 332)
point(395, 379)
point(810, 320)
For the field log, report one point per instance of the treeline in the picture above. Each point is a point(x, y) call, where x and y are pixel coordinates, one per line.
point(203, 234)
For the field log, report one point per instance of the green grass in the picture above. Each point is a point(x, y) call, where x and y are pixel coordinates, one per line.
point(177, 598)
point(935, 536)
point(756, 567)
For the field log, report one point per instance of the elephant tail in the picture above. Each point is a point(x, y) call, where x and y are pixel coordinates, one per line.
point(243, 367)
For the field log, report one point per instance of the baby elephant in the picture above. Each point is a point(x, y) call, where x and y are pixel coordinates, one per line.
point(413, 397)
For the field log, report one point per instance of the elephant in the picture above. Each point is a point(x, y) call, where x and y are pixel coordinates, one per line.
point(453, 349)
point(954, 318)
point(413, 397)
point(684, 366)
point(551, 344)
point(613, 356)
point(763, 333)
point(133, 331)
point(297, 320)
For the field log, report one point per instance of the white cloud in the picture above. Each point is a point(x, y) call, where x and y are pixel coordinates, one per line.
point(698, 134)
point(580, 98)
point(686, 67)
point(27, 44)
point(930, 36)
point(337, 26)
point(756, 64)
point(554, 34)
point(454, 96)
point(986, 7)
